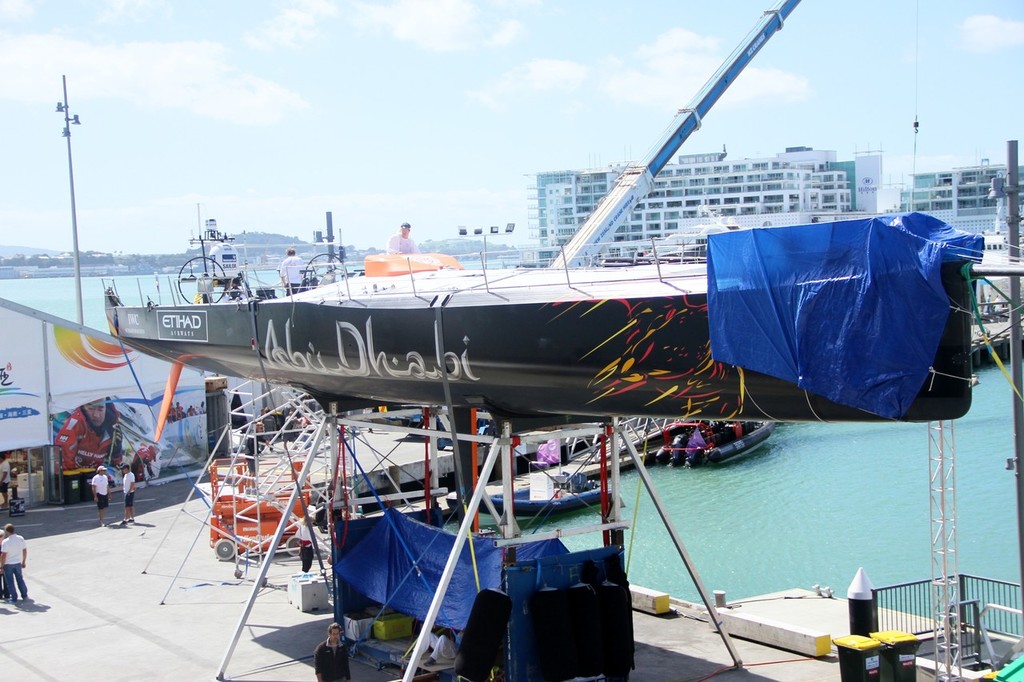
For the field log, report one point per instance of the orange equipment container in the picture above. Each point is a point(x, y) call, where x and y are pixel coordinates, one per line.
point(247, 509)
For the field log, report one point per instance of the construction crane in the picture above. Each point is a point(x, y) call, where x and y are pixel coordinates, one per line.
point(637, 179)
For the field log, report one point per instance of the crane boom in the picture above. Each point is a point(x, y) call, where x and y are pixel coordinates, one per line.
point(636, 181)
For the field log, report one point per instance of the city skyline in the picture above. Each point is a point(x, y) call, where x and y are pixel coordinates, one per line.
point(438, 112)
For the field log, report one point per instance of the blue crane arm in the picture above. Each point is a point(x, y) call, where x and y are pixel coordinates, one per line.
point(637, 179)
point(688, 120)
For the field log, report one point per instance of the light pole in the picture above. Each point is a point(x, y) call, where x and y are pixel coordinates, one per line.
point(1013, 228)
point(69, 120)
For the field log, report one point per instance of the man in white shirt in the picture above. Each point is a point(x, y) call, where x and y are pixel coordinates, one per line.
point(401, 242)
point(291, 272)
point(13, 557)
point(305, 544)
point(100, 490)
point(128, 486)
point(5, 479)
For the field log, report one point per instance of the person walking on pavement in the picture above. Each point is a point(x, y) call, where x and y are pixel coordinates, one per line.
point(13, 557)
point(330, 660)
point(100, 491)
point(5, 479)
point(128, 486)
point(291, 272)
point(305, 544)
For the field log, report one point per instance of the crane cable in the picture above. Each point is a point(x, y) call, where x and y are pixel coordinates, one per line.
point(917, 125)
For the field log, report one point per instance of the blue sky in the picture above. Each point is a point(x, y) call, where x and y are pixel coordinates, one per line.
point(267, 114)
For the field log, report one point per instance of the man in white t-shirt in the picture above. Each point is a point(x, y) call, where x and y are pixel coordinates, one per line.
point(305, 544)
point(5, 479)
point(291, 272)
point(13, 557)
point(100, 491)
point(401, 242)
point(128, 486)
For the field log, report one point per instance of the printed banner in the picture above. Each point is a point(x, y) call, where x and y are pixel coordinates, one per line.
point(104, 401)
point(23, 415)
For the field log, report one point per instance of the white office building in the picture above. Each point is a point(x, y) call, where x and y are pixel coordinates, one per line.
point(800, 185)
point(960, 197)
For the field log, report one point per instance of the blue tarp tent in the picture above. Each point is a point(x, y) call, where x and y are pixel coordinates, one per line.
point(399, 563)
point(849, 310)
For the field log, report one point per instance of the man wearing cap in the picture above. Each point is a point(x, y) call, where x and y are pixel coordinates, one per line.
point(128, 486)
point(100, 489)
point(401, 242)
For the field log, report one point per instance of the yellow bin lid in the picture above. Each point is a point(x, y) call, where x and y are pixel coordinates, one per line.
point(857, 642)
point(893, 637)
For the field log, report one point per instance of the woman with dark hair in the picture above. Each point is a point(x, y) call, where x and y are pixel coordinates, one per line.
point(90, 435)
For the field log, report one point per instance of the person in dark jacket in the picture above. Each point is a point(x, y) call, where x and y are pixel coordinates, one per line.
point(330, 659)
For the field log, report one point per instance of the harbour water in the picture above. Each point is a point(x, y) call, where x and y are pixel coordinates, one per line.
point(819, 501)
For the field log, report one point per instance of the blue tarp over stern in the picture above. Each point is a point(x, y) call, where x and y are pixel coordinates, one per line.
point(851, 310)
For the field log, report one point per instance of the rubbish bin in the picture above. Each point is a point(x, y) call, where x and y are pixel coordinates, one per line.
point(858, 658)
point(72, 495)
point(84, 483)
point(899, 655)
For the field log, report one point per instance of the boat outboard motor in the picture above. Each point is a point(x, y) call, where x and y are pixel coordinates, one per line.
point(678, 458)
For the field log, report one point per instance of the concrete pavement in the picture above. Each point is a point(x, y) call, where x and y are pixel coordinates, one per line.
point(105, 605)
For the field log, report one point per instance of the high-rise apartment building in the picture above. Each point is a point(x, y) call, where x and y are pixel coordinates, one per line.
point(959, 197)
point(798, 186)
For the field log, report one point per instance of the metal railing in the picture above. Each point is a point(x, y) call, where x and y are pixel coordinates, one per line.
point(907, 606)
point(988, 608)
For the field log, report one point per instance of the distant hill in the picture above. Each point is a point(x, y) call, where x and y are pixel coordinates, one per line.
point(8, 251)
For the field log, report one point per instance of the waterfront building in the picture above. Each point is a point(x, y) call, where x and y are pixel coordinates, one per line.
point(959, 196)
point(800, 185)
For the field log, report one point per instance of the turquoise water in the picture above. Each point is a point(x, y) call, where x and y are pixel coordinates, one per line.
point(817, 502)
point(822, 500)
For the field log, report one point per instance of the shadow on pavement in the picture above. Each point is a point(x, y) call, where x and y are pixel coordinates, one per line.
point(49, 520)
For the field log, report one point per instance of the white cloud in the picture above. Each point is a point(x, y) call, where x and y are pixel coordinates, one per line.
point(294, 25)
point(670, 71)
point(133, 10)
point(506, 34)
point(15, 10)
point(437, 25)
point(537, 76)
point(986, 33)
point(195, 76)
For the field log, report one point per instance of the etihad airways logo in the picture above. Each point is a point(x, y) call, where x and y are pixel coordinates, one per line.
point(177, 326)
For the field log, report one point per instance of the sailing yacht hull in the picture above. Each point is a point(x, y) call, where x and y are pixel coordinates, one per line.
point(519, 344)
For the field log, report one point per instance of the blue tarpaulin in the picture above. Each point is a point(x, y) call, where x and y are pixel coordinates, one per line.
point(381, 566)
point(850, 310)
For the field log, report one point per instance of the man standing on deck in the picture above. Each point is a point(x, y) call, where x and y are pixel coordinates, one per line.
point(291, 272)
point(401, 242)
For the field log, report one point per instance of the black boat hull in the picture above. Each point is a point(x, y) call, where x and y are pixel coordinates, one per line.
point(588, 358)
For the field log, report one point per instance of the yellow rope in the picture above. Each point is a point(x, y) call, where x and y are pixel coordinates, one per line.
point(976, 310)
point(636, 515)
point(472, 553)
